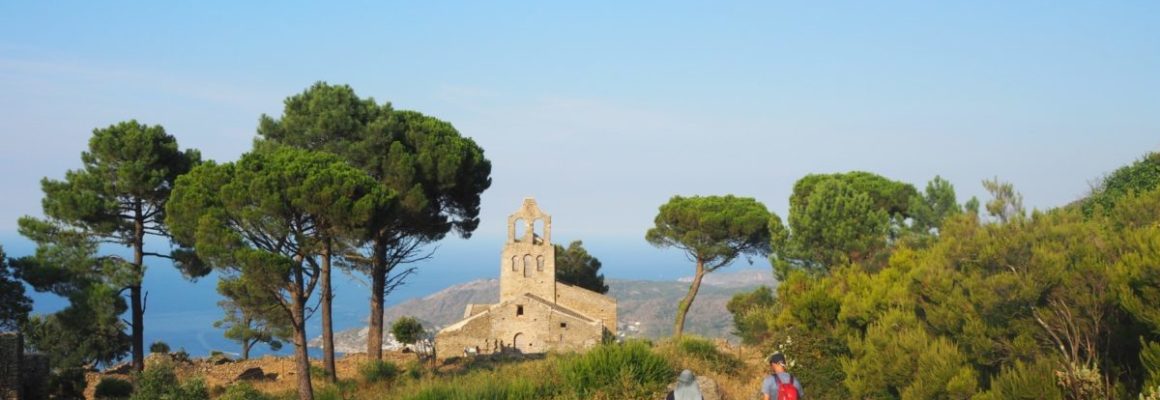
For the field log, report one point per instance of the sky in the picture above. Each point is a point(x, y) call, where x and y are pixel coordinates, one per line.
point(604, 110)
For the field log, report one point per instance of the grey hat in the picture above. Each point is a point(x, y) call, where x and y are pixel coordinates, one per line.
point(777, 358)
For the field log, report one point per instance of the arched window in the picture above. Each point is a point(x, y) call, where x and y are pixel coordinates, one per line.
point(540, 263)
point(538, 230)
point(519, 229)
point(527, 263)
point(515, 259)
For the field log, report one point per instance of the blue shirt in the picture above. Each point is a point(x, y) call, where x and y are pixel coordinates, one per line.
point(769, 385)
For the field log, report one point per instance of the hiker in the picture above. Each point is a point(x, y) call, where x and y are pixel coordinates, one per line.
point(780, 385)
point(687, 388)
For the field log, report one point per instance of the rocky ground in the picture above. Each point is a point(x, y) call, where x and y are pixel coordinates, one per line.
point(269, 374)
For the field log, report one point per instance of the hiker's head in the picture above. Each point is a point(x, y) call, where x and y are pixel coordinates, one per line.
point(777, 362)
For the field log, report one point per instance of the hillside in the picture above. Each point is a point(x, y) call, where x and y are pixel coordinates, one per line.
point(645, 308)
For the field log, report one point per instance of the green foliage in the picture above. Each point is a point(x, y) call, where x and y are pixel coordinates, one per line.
point(605, 367)
point(14, 305)
point(244, 391)
point(1139, 289)
point(897, 358)
point(935, 205)
point(375, 371)
point(113, 388)
point(252, 316)
point(832, 223)
point(118, 197)
point(262, 220)
point(892, 197)
point(1140, 177)
point(437, 175)
point(749, 311)
point(1023, 381)
point(707, 352)
point(159, 347)
point(712, 231)
point(407, 330)
point(88, 331)
point(574, 266)
point(160, 382)
point(1150, 361)
point(1006, 204)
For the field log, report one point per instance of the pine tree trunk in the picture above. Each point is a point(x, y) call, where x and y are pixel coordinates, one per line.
point(246, 345)
point(687, 302)
point(138, 312)
point(378, 285)
point(327, 321)
point(136, 302)
point(305, 389)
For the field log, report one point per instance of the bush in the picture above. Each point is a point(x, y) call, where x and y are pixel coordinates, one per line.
point(379, 371)
point(706, 351)
point(160, 382)
point(243, 391)
point(607, 368)
point(113, 388)
point(159, 347)
point(415, 369)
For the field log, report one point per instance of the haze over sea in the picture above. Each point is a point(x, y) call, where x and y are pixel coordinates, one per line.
point(181, 312)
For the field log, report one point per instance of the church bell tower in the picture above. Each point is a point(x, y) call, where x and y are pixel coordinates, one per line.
point(528, 263)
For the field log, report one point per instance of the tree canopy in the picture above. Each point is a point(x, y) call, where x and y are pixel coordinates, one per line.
point(118, 197)
point(713, 231)
point(574, 266)
point(437, 174)
point(258, 221)
point(1058, 305)
point(14, 305)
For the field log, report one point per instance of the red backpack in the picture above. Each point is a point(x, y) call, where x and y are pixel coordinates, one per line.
point(786, 390)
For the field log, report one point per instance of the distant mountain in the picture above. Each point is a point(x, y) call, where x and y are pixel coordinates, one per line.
point(644, 308)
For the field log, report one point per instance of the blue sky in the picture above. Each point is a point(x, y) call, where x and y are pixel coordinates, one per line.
point(603, 110)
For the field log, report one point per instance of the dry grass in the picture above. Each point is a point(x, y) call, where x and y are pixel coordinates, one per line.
point(737, 371)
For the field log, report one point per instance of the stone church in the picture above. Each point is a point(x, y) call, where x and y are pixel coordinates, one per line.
point(535, 314)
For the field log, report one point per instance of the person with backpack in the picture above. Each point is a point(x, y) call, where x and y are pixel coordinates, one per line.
point(780, 385)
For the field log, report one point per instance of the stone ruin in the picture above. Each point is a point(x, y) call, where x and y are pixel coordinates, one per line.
point(535, 314)
point(22, 376)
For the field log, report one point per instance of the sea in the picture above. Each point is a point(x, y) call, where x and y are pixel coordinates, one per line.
point(181, 312)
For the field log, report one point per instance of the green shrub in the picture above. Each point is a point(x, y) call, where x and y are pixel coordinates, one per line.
point(160, 382)
point(159, 347)
point(243, 391)
point(113, 388)
point(379, 371)
point(705, 350)
point(608, 367)
point(318, 372)
point(1034, 380)
point(415, 369)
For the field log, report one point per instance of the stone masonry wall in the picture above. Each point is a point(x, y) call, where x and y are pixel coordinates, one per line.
point(11, 355)
point(589, 303)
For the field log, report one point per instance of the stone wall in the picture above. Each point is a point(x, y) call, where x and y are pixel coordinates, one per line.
point(11, 355)
point(34, 372)
point(588, 303)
